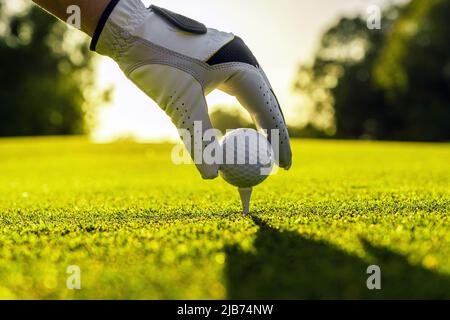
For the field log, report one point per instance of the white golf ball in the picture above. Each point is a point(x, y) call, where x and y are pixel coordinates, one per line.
point(247, 158)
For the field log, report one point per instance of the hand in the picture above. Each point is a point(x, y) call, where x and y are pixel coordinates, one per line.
point(177, 61)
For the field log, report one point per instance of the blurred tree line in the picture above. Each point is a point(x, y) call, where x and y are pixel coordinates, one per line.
point(45, 74)
point(392, 83)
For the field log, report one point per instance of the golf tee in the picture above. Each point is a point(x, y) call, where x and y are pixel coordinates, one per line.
point(246, 194)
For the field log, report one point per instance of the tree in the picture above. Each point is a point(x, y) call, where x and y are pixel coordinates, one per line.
point(413, 69)
point(44, 75)
point(356, 83)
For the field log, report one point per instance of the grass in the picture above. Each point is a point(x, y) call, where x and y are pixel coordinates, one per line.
point(140, 227)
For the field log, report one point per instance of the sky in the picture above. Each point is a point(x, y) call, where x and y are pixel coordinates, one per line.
point(281, 33)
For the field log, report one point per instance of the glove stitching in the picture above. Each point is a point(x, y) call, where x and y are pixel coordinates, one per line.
point(194, 74)
point(117, 49)
point(170, 52)
point(199, 63)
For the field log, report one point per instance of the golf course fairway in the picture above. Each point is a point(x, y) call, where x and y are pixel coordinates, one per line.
point(140, 227)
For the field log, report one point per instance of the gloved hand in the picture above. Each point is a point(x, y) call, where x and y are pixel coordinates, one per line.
point(177, 61)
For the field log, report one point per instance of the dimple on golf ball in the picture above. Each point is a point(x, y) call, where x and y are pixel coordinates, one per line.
point(247, 158)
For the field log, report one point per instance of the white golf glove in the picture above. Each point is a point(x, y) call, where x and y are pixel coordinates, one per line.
point(177, 61)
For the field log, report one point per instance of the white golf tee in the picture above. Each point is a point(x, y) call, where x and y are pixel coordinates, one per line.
point(246, 194)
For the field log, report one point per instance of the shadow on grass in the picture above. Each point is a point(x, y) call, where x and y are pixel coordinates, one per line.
point(289, 266)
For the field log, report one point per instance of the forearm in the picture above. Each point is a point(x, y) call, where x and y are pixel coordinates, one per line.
point(91, 10)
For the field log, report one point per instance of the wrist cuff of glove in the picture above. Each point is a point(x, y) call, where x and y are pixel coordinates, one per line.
point(102, 22)
point(125, 15)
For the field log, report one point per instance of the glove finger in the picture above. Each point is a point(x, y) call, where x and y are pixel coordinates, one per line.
point(183, 100)
point(253, 91)
point(198, 134)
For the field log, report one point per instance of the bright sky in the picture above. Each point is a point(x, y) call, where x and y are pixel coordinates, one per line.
point(281, 33)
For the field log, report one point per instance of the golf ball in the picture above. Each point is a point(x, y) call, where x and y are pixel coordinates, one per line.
point(247, 158)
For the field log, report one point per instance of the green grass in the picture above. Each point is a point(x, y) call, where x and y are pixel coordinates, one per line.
point(140, 227)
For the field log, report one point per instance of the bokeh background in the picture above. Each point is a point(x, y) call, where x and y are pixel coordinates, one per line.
point(141, 227)
point(335, 77)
